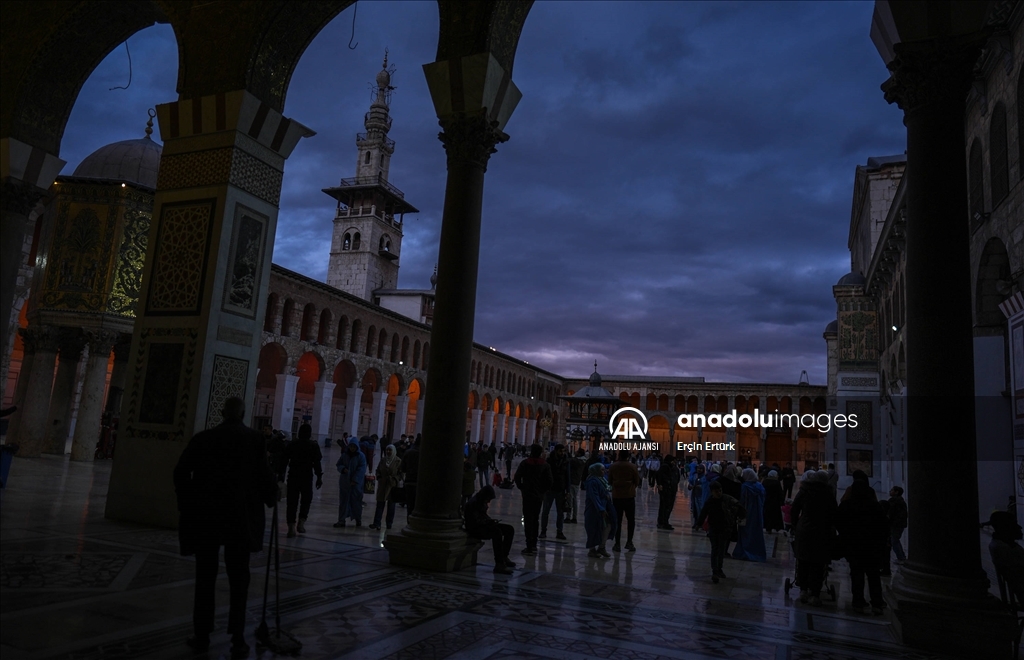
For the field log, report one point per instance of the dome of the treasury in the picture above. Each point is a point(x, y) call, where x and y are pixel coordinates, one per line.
point(128, 161)
point(851, 279)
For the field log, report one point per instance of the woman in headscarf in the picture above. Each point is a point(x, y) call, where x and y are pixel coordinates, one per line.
point(773, 501)
point(388, 471)
point(599, 511)
point(750, 540)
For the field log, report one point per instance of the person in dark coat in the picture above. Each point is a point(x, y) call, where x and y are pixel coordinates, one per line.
point(721, 513)
point(411, 467)
point(813, 518)
point(667, 479)
point(897, 521)
point(533, 478)
point(773, 501)
point(560, 475)
point(351, 478)
point(302, 459)
point(222, 483)
point(482, 526)
point(863, 535)
point(788, 480)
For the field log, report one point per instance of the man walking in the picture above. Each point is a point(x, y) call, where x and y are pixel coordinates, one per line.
point(576, 473)
point(302, 459)
point(897, 522)
point(668, 486)
point(624, 478)
point(559, 462)
point(533, 478)
point(222, 482)
point(788, 479)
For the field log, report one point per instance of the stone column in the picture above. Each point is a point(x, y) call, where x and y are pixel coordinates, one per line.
point(531, 431)
point(323, 397)
point(474, 425)
point(941, 590)
point(378, 414)
point(62, 396)
point(28, 357)
point(473, 97)
point(26, 173)
point(513, 430)
point(33, 427)
point(90, 406)
point(401, 415)
point(284, 402)
point(201, 308)
point(353, 404)
point(499, 435)
point(487, 427)
point(420, 409)
point(115, 393)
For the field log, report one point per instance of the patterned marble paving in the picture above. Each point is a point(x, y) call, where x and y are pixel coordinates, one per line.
point(78, 586)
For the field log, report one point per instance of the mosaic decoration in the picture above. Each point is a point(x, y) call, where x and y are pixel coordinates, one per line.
point(195, 169)
point(229, 378)
point(175, 430)
point(862, 434)
point(858, 459)
point(159, 391)
point(858, 337)
point(241, 286)
point(256, 177)
point(179, 263)
point(124, 293)
point(79, 259)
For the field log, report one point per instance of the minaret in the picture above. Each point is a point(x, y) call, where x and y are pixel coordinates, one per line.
point(367, 236)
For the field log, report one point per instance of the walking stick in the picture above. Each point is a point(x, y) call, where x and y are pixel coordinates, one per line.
point(277, 640)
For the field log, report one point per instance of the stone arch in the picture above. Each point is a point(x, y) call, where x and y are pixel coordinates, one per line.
point(306, 331)
point(382, 344)
point(344, 378)
point(270, 318)
point(404, 359)
point(976, 182)
point(426, 355)
point(518, 410)
point(370, 383)
point(394, 347)
point(415, 390)
point(710, 404)
point(498, 405)
point(371, 341)
point(652, 402)
point(308, 368)
point(416, 354)
point(998, 158)
point(472, 371)
point(663, 402)
point(658, 426)
point(288, 318)
point(993, 276)
point(273, 361)
point(474, 400)
point(357, 331)
point(323, 334)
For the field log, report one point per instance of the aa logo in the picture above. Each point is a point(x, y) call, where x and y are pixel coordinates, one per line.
point(628, 427)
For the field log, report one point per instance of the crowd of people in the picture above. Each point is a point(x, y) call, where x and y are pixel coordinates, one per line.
point(226, 476)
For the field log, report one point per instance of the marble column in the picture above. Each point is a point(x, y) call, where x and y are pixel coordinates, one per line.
point(353, 404)
point(487, 427)
point(379, 414)
point(284, 402)
point(941, 590)
point(33, 427)
point(90, 406)
point(531, 431)
point(513, 430)
point(472, 108)
point(499, 435)
point(420, 409)
point(62, 396)
point(115, 392)
point(401, 416)
point(323, 398)
point(474, 425)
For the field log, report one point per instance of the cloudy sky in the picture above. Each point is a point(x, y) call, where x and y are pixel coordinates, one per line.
point(674, 198)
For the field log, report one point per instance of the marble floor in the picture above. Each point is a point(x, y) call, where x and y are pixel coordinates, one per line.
point(75, 585)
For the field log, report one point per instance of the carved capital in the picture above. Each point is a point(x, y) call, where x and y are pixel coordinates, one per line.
point(41, 338)
point(101, 341)
point(937, 72)
point(470, 139)
point(18, 197)
point(72, 341)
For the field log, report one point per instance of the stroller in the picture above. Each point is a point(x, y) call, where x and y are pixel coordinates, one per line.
point(828, 587)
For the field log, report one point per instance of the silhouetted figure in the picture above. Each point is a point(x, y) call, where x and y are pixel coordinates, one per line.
point(560, 474)
point(482, 526)
point(625, 479)
point(814, 518)
point(863, 535)
point(223, 482)
point(750, 536)
point(773, 501)
point(533, 478)
point(667, 479)
point(722, 513)
point(411, 467)
point(389, 472)
point(351, 478)
point(302, 457)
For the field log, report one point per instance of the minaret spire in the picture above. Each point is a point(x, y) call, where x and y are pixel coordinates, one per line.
point(374, 146)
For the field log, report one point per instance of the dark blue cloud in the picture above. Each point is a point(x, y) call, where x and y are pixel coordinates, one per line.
point(674, 198)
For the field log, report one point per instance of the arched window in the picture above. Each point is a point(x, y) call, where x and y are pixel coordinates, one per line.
point(357, 327)
point(270, 318)
point(426, 355)
point(997, 156)
point(382, 160)
point(976, 181)
point(355, 241)
point(367, 161)
point(286, 317)
point(347, 244)
point(342, 327)
point(371, 341)
point(416, 354)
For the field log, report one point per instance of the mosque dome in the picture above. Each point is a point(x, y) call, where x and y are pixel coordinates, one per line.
point(832, 328)
point(852, 279)
point(128, 161)
point(595, 378)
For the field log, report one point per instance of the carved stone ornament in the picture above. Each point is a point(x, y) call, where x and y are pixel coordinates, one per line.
point(19, 197)
point(470, 138)
point(938, 71)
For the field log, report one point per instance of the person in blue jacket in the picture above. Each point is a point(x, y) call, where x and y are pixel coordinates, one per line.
point(351, 475)
point(599, 511)
point(750, 542)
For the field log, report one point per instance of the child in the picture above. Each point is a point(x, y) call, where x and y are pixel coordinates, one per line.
point(722, 512)
point(787, 516)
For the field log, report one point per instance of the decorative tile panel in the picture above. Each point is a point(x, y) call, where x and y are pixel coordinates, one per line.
point(229, 378)
point(179, 264)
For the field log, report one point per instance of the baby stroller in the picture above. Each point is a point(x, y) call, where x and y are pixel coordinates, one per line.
point(828, 587)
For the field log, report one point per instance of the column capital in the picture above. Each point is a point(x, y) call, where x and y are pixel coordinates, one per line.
point(41, 338)
point(470, 139)
point(71, 342)
point(936, 72)
point(101, 342)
